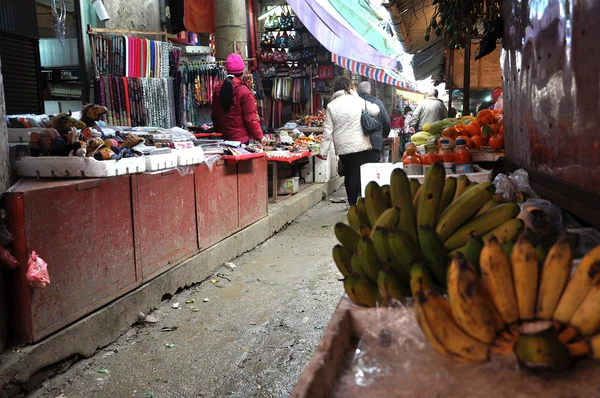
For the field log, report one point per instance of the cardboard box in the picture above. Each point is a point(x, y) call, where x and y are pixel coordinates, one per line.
point(288, 186)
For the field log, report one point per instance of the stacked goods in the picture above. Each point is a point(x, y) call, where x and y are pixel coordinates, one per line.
point(405, 225)
point(507, 301)
point(487, 129)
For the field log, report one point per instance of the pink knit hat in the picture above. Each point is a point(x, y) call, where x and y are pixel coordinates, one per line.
point(234, 64)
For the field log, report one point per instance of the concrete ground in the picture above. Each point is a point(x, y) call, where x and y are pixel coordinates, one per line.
point(245, 332)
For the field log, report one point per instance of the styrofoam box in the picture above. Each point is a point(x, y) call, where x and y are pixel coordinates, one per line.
point(76, 167)
point(333, 165)
point(323, 167)
point(307, 172)
point(381, 173)
point(190, 156)
point(21, 135)
point(161, 162)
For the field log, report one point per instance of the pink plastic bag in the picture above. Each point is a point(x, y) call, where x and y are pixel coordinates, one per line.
point(37, 272)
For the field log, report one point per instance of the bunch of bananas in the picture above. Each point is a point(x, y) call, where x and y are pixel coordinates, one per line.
point(404, 223)
point(512, 302)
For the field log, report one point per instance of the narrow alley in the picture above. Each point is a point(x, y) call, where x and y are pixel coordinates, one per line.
point(247, 331)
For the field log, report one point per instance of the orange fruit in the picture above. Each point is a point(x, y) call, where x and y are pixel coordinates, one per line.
point(486, 116)
point(501, 130)
point(462, 129)
point(497, 142)
point(474, 128)
point(477, 141)
point(467, 140)
point(450, 132)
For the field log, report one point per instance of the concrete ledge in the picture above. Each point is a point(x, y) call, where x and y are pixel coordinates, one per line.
point(108, 323)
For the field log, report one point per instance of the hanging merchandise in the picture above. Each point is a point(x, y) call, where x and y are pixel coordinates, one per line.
point(60, 18)
point(194, 87)
point(272, 22)
point(286, 21)
point(199, 15)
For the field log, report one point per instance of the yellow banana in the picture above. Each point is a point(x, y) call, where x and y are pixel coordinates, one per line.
point(361, 291)
point(487, 206)
point(469, 302)
point(367, 256)
point(443, 326)
point(586, 275)
point(386, 256)
point(435, 254)
point(447, 194)
point(402, 199)
point(496, 277)
point(433, 340)
point(356, 219)
point(462, 182)
point(390, 218)
point(375, 201)
point(430, 196)
point(390, 287)
point(420, 279)
point(463, 209)
point(586, 320)
point(482, 224)
point(343, 259)
point(362, 211)
point(387, 195)
point(589, 346)
point(405, 250)
point(525, 277)
point(505, 232)
point(554, 277)
point(414, 187)
point(348, 237)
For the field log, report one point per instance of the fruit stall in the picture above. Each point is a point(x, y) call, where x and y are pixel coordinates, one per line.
point(492, 286)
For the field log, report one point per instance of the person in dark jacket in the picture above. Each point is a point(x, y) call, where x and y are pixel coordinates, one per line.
point(234, 108)
point(364, 90)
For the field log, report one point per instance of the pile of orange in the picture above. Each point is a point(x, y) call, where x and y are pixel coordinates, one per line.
point(486, 130)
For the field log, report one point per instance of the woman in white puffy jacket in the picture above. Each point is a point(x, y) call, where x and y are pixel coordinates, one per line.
point(342, 125)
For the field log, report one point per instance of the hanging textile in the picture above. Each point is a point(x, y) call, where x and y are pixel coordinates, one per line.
point(199, 16)
point(386, 76)
point(194, 87)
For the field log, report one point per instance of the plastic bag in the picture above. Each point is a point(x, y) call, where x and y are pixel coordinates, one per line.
point(7, 261)
point(542, 217)
point(514, 187)
point(37, 272)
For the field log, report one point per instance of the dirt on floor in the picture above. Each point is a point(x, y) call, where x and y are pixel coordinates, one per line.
point(247, 331)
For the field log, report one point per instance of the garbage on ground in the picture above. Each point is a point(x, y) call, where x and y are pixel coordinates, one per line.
point(231, 266)
point(168, 328)
point(169, 345)
point(37, 272)
point(213, 281)
point(151, 319)
point(175, 305)
point(206, 300)
point(195, 309)
point(103, 371)
point(190, 301)
point(141, 317)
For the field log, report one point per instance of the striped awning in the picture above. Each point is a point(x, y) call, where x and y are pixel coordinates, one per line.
point(386, 76)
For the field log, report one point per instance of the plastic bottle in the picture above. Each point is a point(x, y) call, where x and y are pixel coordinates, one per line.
point(411, 161)
point(410, 145)
point(430, 157)
point(447, 156)
point(463, 162)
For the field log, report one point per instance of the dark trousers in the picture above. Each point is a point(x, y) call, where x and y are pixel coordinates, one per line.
point(375, 156)
point(351, 164)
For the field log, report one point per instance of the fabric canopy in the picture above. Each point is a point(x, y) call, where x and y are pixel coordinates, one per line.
point(381, 75)
point(337, 35)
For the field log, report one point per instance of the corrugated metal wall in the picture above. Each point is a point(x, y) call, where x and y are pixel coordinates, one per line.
point(18, 17)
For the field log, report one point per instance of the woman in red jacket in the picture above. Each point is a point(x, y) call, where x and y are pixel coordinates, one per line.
point(234, 108)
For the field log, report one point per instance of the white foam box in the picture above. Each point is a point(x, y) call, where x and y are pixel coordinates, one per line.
point(190, 156)
point(479, 175)
point(333, 165)
point(288, 186)
point(76, 167)
point(161, 162)
point(378, 172)
point(307, 172)
point(323, 170)
point(21, 135)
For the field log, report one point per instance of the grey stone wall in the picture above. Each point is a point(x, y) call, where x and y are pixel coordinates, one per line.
point(143, 15)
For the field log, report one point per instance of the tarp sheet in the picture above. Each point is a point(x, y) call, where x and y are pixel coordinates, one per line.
point(386, 76)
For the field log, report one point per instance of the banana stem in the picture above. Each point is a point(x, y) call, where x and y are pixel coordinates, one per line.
point(568, 334)
point(579, 348)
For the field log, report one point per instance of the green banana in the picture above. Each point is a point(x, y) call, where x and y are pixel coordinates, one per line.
point(369, 261)
point(447, 194)
point(487, 206)
point(390, 287)
point(402, 198)
point(430, 195)
point(420, 278)
point(472, 252)
point(416, 198)
point(541, 254)
point(405, 250)
point(362, 211)
point(505, 232)
point(508, 247)
point(462, 182)
point(348, 237)
point(375, 201)
point(343, 259)
point(414, 187)
point(463, 208)
point(386, 193)
point(353, 218)
point(356, 267)
point(434, 252)
point(387, 258)
point(361, 291)
point(390, 218)
point(482, 224)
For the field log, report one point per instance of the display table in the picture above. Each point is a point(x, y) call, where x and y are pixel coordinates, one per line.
point(485, 156)
point(274, 161)
point(104, 237)
point(306, 130)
